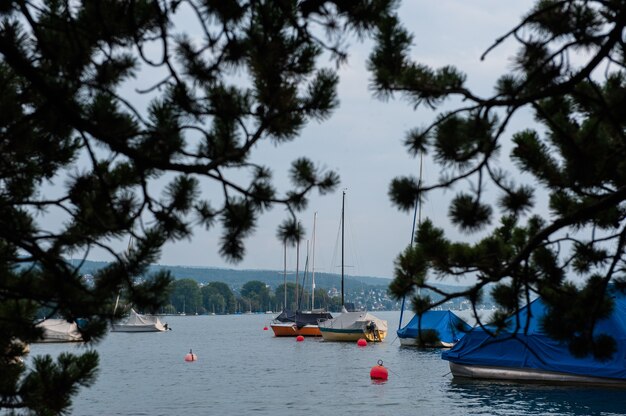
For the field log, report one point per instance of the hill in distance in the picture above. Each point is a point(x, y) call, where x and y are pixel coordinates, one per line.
point(237, 278)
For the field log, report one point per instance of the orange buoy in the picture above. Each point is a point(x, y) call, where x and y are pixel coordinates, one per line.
point(361, 342)
point(191, 357)
point(299, 338)
point(264, 328)
point(378, 372)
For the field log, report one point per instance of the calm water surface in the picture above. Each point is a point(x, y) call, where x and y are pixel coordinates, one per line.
point(244, 370)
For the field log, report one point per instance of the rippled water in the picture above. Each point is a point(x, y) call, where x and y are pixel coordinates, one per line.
point(243, 370)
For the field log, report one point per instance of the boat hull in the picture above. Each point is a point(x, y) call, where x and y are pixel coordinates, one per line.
point(352, 335)
point(136, 328)
point(139, 323)
point(527, 375)
point(291, 330)
point(412, 342)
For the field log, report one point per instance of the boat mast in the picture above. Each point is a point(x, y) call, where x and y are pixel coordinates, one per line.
point(285, 273)
point(416, 213)
point(313, 266)
point(343, 204)
point(128, 250)
point(297, 267)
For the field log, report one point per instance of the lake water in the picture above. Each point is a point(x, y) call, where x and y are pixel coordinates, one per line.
point(244, 370)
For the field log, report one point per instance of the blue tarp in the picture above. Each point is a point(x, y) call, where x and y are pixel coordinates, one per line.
point(446, 323)
point(533, 349)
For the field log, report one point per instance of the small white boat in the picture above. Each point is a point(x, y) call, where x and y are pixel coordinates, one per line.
point(59, 330)
point(351, 326)
point(140, 323)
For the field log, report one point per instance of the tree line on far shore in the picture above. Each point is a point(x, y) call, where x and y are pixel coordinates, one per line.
point(189, 297)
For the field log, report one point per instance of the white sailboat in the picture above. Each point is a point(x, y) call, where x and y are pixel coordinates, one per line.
point(137, 322)
point(351, 326)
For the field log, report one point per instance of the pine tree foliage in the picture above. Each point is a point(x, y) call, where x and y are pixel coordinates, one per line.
point(569, 71)
point(78, 147)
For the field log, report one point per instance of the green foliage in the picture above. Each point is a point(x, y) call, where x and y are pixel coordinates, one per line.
point(279, 294)
point(49, 387)
point(217, 297)
point(133, 158)
point(258, 294)
point(570, 71)
point(185, 296)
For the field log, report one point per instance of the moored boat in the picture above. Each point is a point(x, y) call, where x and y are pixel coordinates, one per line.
point(290, 324)
point(305, 323)
point(59, 330)
point(438, 329)
point(137, 322)
point(350, 326)
point(529, 354)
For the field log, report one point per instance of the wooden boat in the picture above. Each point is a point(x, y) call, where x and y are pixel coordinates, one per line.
point(350, 326)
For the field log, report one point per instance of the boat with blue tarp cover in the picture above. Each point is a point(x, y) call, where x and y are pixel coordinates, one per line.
point(438, 329)
point(529, 354)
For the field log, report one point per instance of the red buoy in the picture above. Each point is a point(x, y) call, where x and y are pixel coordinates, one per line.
point(361, 342)
point(299, 338)
point(264, 328)
point(191, 357)
point(378, 372)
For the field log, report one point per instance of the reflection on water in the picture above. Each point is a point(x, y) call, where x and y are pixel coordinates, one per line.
point(483, 397)
point(243, 370)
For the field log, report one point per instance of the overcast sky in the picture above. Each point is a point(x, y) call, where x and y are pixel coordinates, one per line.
point(362, 141)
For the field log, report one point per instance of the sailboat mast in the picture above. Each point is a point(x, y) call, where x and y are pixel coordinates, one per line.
point(297, 267)
point(128, 250)
point(285, 273)
point(343, 205)
point(416, 213)
point(313, 265)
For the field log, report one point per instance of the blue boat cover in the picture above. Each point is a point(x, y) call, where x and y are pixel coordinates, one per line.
point(450, 327)
point(533, 349)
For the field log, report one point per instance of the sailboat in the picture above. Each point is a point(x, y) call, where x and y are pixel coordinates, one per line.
point(305, 323)
point(136, 322)
point(434, 329)
point(351, 326)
